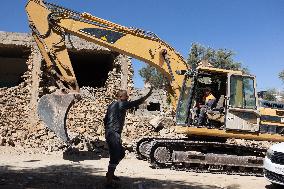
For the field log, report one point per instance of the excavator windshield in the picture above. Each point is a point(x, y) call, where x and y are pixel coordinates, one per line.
point(184, 101)
point(242, 92)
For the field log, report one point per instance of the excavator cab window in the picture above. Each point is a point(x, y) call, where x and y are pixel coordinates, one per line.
point(242, 92)
point(241, 112)
point(184, 101)
point(213, 114)
point(192, 92)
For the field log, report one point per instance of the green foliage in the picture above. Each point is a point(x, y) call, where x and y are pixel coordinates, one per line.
point(220, 58)
point(153, 76)
point(269, 95)
point(195, 54)
point(281, 75)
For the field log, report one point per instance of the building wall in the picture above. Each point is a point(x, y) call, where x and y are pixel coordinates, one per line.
point(156, 104)
point(19, 124)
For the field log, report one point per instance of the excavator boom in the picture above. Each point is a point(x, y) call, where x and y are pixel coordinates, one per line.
point(50, 24)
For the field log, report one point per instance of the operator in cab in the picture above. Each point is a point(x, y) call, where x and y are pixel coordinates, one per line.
point(209, 100)
point(114, 122)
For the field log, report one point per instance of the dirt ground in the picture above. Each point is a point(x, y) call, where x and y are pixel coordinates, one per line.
point(21, 168)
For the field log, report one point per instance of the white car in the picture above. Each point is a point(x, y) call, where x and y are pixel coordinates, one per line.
point(274, 164)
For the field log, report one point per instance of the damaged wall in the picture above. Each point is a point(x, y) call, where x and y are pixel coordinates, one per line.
point(156, 104)
point(100, 74)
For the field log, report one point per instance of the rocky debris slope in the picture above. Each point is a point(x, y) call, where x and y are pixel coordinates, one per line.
point(19, 124)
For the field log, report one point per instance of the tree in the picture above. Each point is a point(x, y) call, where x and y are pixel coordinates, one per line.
point(269, 95)
point(281, 75)
point(220, 58)
point(153, 76)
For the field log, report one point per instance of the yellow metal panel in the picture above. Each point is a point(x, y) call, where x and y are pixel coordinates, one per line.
point(268, 111)
point(51, 43)
point(211, 69)
point(272, 123)
point(229, 134)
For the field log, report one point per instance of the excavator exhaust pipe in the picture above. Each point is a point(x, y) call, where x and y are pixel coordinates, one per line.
point(53, 109)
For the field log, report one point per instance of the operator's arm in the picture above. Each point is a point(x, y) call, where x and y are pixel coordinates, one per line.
point(134, 103)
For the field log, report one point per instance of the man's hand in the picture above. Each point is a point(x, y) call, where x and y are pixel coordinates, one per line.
point(78, 97)
point(148, 86)
point(150, 91)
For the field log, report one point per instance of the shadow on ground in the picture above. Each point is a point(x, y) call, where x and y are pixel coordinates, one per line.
point(78, 177)
point(274, 186)
point(96, 150)
point(75, 155)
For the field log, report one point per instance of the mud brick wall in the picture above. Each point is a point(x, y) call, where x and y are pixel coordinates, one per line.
point(156, 104)
point(86, 116)
point(19, 124)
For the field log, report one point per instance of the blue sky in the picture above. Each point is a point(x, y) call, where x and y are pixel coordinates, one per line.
point(253, 29)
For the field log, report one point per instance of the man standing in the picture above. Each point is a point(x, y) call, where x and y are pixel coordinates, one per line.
point(114, 122)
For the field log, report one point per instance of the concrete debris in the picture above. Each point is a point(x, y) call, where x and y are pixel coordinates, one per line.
point(157, 122)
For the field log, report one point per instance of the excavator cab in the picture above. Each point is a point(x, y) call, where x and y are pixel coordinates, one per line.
point(241, 110)
point(235, 107)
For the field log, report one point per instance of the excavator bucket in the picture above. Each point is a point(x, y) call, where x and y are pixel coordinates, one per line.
point(53, 109)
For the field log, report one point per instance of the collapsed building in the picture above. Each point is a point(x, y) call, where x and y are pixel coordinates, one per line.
point(24, 79)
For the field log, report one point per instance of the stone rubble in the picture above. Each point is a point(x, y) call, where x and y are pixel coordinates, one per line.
point(19, 124)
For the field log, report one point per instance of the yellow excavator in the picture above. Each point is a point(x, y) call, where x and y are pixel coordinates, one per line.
point(236, 113)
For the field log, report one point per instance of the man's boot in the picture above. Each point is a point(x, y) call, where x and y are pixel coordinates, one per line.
point(111, 177)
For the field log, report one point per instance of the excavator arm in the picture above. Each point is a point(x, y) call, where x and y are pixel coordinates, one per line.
point(50, 24)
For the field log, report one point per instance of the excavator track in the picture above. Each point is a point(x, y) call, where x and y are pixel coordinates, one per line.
point(201, 156)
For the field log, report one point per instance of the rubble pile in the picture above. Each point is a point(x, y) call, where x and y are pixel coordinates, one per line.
point(137, 127)
point(14, 114)
point(19, 124)
point(86, 116)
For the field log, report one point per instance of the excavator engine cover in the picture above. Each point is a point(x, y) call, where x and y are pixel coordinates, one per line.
point(52, 110)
